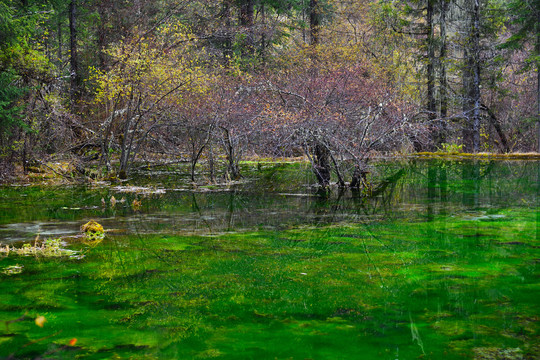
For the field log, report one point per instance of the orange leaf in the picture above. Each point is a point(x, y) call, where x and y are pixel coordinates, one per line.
point(40, 320)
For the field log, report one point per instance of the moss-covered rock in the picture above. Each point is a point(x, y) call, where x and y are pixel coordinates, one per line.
point(92, 227)
point(93, 231)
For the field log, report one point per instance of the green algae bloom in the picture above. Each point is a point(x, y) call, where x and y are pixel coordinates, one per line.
point(441, 263)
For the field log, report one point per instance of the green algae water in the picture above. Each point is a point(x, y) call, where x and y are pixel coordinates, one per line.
point(439, 260)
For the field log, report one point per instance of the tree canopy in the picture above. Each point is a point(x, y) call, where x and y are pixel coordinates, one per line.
point(111, 83)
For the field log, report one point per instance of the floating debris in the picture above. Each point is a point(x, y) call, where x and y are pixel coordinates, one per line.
point(139, 190)
point(484, 217)
point(13, 269)
point(46, 248)
point(136, 205)
point(80, 208)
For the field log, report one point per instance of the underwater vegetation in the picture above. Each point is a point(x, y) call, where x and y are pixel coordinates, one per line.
point(443, 263)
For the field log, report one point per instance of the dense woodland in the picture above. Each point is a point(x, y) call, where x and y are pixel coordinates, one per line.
point(106, 84)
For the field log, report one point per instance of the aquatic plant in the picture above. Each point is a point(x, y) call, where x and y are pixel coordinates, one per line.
point(46, 248)
point(93, 231)
point(13, 269)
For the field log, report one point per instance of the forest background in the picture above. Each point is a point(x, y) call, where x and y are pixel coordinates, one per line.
point(102, 85)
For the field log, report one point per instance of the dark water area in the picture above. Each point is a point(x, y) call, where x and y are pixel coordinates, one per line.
point(438, 259)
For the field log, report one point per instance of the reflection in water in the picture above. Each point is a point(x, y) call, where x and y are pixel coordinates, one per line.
point(471, 185)
point(398, 195)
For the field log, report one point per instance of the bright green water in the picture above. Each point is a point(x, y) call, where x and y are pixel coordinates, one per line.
point(441, 263)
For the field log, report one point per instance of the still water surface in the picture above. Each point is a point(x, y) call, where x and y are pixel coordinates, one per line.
point(440, 261)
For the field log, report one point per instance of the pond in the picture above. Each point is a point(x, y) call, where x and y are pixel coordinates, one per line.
point(439, 259)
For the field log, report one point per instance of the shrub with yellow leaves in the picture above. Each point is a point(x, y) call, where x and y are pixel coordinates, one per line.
point(152, 71)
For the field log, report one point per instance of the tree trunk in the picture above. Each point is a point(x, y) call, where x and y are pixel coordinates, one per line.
point(59, 36)
point(125, 143)
point(443, 84)
point(101, 34)
point(262, 51)
point(314, 21)
point(341, 182)
point(124, 151)
point(232, 155)
point(246, 13)
point(227, 51)
point(74, 62)
point(211, 169)
point(321, 164)
point(537, 28)
point(246, 21)
point(471, 81)
point(476, 79)
point(431, 106)
point(495, 122)
point(359, 177)
point(431, 60)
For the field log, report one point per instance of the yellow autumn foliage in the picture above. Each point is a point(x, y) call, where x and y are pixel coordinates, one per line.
point(151, 68)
